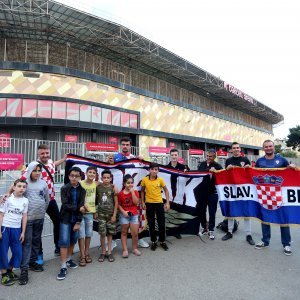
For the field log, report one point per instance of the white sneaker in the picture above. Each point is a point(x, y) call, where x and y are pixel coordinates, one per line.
point(142, 243)
point(287, 250)
point(203, 231)
point(211, 235)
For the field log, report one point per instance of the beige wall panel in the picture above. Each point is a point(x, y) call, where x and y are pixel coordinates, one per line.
point(155, 115)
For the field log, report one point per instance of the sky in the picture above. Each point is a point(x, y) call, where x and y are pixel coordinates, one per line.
point(253, 45)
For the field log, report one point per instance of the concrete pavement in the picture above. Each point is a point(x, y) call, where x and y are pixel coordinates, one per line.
point(191, 269)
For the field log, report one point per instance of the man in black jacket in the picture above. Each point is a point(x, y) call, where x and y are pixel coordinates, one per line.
point(72, 206)
point(212, 199)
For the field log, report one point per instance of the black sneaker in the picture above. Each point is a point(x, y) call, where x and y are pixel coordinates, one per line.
point(153, 246)
point(23, 279)
point(12, 275)
point(164, 246)
point(261, 245)
point(62, 274)
point(34, 266)
point(250, 240)
point(57, 251)
point(6, 280)
point(71, 264)
point(227, 236)
point(178, 236)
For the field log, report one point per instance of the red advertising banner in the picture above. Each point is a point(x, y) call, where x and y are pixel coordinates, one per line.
point(11, 161)
point(159, 149)
point(101, 147)
point(113, 139)
point(181, 160)
point(5, 140)
point(196, 152)
point(222, 153)
point(71, 138)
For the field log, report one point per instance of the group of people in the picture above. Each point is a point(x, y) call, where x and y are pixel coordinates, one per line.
point(23, 209)
point(270, 160)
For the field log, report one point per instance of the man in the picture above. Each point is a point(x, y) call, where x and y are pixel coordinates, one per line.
point(174, 164)
point(271, 161)
point(48, 173)
point(212, 200)
point(237, 160)
point(123, 155)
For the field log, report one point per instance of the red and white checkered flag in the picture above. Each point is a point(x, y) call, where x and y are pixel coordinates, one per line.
point(269, 196)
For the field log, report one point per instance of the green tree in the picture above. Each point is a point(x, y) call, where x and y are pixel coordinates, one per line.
point(294, 137)
point(278, 149)
point(290, 154)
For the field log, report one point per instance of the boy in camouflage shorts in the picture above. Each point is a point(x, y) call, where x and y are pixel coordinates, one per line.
point(107, 199)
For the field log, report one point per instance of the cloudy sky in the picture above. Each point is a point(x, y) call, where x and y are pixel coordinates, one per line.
point(253, 45)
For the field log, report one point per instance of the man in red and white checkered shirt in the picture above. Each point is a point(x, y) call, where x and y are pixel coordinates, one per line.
point(53, 211)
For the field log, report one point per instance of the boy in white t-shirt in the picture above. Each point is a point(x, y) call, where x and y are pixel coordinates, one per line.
point(13, 220)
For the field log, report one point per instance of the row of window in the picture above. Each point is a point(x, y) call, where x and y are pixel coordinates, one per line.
point(32, 108)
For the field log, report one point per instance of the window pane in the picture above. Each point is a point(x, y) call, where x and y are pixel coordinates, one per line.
point(106, 116)
point(44, 109)
point(85, 113)
point(14, 107)
point(29, 108)
point(96, 114)
point(59, 110)
point(124, 119)
point(133, 121)
point(116, 118)
point(2, 107)
point(73, 111)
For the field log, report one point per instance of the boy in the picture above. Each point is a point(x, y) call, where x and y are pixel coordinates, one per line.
point(107, 199)
point(38, 200)
point(153, 201)
point(13, 214)
point(86, 226)
point(72, 206)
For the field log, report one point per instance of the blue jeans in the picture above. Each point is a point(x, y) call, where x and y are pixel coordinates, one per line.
point(32, 242)
point(67, 236)
point(86, 226)
point(10, 239)
point(285, 235)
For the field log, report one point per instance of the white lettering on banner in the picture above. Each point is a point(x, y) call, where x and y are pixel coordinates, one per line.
point(183, 189)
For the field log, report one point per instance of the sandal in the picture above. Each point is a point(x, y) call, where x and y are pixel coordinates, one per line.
point(101, 257)
point(82, 262)
point(136, 252)
point(125, 254)
point(110, 258)
point(88, 259)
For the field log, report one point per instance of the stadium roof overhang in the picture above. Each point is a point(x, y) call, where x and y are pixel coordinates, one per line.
point(54, 22)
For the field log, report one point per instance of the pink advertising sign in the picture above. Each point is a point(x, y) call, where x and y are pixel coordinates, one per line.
point(11, 161)
point(158, 149)
point(71, 138)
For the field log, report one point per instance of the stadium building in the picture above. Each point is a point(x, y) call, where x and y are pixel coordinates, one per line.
point(66, 74)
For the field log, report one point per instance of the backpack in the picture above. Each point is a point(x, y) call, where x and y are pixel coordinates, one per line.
point(224, 225)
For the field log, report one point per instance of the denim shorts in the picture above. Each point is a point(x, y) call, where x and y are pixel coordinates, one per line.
point(86, 226)
point(67, 236)
point(129, 220)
